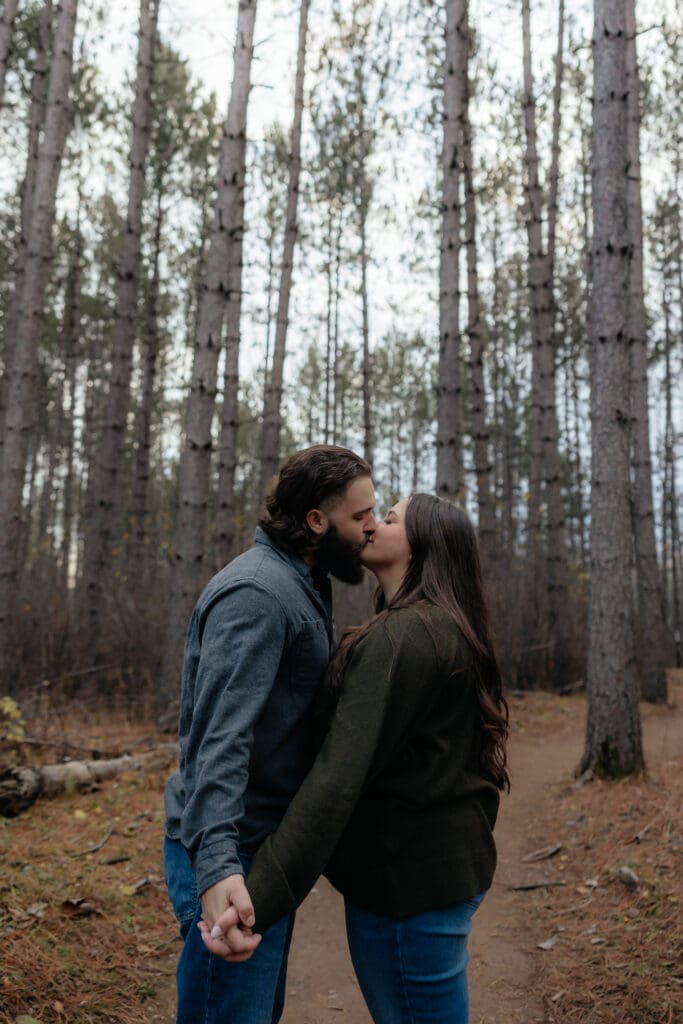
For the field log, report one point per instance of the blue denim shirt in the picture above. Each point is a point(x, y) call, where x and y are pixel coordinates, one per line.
point(257, 648)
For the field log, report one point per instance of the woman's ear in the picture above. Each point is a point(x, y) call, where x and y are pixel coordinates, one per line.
point(317, 521)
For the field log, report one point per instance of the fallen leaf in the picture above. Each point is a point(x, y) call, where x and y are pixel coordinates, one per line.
point(80, 908)
point(37, 909)
point(549, 943)
point(628, 877)
point(80, 815)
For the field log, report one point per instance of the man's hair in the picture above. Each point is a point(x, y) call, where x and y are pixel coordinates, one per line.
point(307, 480)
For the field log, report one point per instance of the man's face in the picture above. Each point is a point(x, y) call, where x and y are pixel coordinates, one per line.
point(350, 525)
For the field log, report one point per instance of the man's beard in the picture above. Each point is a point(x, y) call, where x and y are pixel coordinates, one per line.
point(339, 557)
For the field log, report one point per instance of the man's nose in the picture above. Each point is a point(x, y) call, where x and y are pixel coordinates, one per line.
point(371, 525)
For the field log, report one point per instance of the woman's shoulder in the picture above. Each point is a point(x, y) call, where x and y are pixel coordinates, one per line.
point(426, 624)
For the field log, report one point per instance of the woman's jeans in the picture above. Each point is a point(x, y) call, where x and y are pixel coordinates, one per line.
point(210, 990)
point(413, 970)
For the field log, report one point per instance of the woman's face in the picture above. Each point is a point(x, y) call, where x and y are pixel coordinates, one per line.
point(388, 546)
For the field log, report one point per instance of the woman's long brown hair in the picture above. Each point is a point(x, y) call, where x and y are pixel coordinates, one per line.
point(445, 570)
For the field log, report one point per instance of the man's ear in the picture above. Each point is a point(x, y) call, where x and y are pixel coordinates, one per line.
point(317, 521)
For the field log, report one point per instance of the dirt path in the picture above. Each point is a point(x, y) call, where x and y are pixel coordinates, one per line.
point(322, 988)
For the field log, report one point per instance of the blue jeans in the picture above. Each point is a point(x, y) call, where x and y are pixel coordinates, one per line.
point(210, 990)
point(413, 970)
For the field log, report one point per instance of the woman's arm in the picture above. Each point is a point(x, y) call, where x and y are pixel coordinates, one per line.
point(291, 859)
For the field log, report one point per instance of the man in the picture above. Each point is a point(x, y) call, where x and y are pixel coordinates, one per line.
point(257, 648)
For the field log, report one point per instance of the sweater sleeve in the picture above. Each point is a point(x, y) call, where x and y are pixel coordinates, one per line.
point(291, 859)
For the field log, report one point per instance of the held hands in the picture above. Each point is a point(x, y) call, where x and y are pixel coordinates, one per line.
point(228, 919)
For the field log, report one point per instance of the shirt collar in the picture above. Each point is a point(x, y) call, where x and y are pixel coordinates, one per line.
point(302, 567)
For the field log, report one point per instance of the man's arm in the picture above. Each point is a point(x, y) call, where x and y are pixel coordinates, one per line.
point(242, 636)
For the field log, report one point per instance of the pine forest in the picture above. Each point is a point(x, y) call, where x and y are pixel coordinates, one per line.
point(443, 233)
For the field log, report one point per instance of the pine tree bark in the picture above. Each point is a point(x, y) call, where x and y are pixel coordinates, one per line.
point(224, 526)
point(480, 428)
point(546, 542)
point(138, 548)
point(36, 121)
point(189, 547)
point(653, 642)
point(613, 731)
point(22, 385)
point(670, 529)
point(449, 452)
point(107, 495)
point(272, 407)
point(72, 318)
point(7, 16)
point(368, 445)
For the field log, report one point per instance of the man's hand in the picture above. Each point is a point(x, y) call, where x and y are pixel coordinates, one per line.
point(227, 920)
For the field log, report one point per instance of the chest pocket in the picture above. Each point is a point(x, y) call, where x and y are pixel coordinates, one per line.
point(310, 654)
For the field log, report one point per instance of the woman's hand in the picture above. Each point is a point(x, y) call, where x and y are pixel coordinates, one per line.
point(228, 919)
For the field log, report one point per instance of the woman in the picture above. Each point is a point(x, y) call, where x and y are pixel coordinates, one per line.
point(400, 804)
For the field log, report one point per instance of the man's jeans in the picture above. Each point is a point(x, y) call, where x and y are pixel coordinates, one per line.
point(211, 991)
point(414, 970)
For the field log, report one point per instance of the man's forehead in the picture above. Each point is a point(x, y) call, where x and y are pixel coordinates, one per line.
point(359, 496)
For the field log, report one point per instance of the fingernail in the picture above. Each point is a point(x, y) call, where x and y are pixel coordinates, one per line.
point(250, 921)
point(216, 932)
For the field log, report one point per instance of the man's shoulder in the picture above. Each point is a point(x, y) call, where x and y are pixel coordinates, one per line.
point(260, 570)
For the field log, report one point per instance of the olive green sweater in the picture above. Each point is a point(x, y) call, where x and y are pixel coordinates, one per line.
point(395, 809)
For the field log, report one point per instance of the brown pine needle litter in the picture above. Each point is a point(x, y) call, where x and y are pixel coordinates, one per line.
point(86, 931)
point(619, 953)
point(618, 922)
point(87, 935)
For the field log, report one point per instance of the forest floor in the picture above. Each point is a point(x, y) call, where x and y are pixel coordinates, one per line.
point(86, 933)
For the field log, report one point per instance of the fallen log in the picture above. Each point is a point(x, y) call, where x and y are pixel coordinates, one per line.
point(21, 786)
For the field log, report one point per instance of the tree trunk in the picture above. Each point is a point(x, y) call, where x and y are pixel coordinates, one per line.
point(613, 731)
point(653, 642)
point(367, 384)
point(189, 547)
point(547, 555)
point(224, 528)
point(107, 495)
point(329, 274)
point(337, 415)
point(480, 429)
point(449, 456)
point(7, 16)
point(36, 121)
point(540, 312)
point(672, 550)
point(272, 407)
point(21, 787)
point(72, 318)
point(22, 385)
point(138, 553)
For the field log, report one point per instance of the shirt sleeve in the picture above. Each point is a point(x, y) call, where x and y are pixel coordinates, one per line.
point(242, 638)
point(291, 859)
